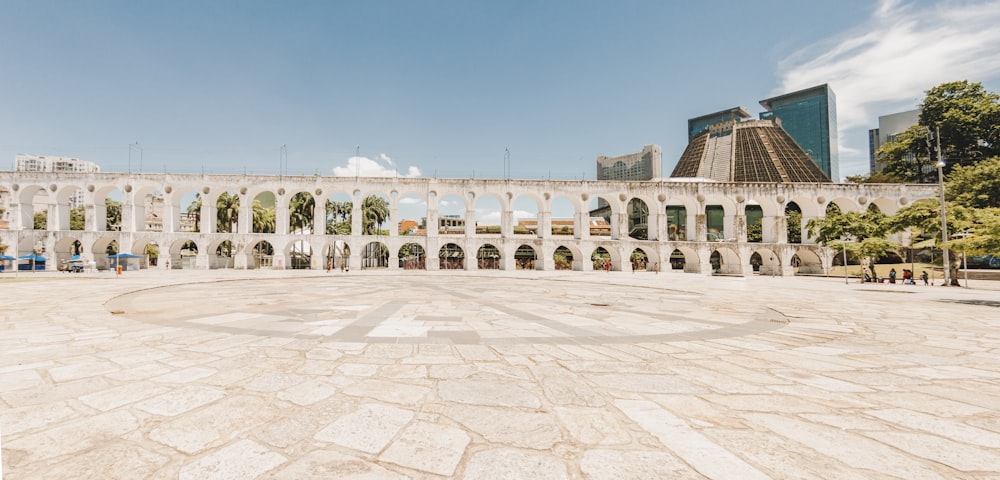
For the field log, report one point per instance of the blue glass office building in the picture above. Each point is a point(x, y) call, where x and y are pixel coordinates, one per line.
point(700, 124)
point(810, 117)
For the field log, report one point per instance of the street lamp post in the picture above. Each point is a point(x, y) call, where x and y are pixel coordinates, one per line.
point(944, 222)
point(843, 245)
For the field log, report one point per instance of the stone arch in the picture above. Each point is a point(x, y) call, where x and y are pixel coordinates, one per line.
point(600, 255)
point(579, 259)
point(183, 253)
point(526, 211)
point(339, 211)
point(299, 253)
point(808, 206)
point(221, 253)
point(412, 256)
point(66, 197)
point(301, 212)
point(563, 216)
point(600, 214)
point(526, 258)
point(726, 261)
point(377, 201)
point(26, 198)
point(685, 259)
point(260, 254)
point(845, 204)
point(563, 258)
point(65, 248)
point(147, 246)
point(411, 209)
point(675, 216)
point(182, 201)
point(452, 212)
point(806, 261)
point(637, 213)
point(147, 202)
point(887, 206)
point(263, 212)
point(754, 216)
point(489, 214)
point(794, 223)
point(766, 261)
point(489, 257)
point(374, 255)
point(451, 257)
point(640, 260)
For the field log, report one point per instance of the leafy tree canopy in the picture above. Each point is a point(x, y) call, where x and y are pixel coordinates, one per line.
point(968, 116)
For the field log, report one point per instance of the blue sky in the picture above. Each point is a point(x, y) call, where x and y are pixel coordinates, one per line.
point(442, 88)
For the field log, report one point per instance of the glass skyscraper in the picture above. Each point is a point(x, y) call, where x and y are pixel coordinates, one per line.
point(810, 117)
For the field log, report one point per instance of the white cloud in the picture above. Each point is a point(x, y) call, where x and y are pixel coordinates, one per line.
point(412, 201)
point(886, 64)
point(366, 167)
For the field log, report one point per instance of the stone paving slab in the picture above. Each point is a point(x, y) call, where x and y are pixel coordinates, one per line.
point(479, 375)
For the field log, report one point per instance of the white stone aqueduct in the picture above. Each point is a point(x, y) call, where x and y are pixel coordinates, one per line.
point(775, 253)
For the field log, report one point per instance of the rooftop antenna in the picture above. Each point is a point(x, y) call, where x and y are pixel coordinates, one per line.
point(357, 161)
point(506, 163)
point(282, 162)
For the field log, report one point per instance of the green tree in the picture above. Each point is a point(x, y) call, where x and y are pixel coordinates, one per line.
point(793, 221)
point(875, 177)
point(968, 117)
point(975, 186)
point(77, 218)
point(908, 158)
point(301, 210)
point(264, 219)
point(867, 230)
point(338, 217)
point(41, 220)
point(227, 212)
point(194, 210)
point(374, 211)
point(113, 215)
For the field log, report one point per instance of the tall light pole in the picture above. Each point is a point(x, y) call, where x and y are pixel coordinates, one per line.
point(843, 245)
point(506, 164)
point(944, 219)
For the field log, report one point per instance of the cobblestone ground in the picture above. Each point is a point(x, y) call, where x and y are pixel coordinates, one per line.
point(518, 375)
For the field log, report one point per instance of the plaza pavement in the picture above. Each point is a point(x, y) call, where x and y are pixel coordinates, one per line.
point(494, 375)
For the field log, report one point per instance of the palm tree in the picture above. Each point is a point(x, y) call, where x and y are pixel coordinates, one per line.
point(301, 209)
point(375, 211)
point(338, 217)
point(227, 212)
point(264, 220)
point(194, 210)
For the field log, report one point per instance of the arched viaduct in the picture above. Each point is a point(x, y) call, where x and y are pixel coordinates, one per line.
point(726, 251)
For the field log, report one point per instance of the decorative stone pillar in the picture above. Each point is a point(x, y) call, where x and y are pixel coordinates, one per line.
point(470, 224)
point(52, 217)
point(657, 226)
point(581, 226)
point(544, 225)
point(738, 224)
point(171, 216)
point(281, 214)
point(394, 222)
point(244, 221)
point(701, 227)
point(356, 222)
point(507, 223)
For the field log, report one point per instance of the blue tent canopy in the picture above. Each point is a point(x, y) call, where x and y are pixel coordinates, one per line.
point(32, 256)
point(7, 257)
point(124, 255)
